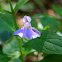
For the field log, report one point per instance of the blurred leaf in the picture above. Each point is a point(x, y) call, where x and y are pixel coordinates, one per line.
point(4, 11)
point(11, 46)
point(33, 23)
point(52, 58)
point(4, 58)
point(6, 22)
point(4, 35)
point(6, 6)
point(53, 24)
point(15, 60)
point(49, 43)
point(25, 39)
point(20, 3)
point(40, 5)
point(27, 7)
point(47, 20)
point(57, 10)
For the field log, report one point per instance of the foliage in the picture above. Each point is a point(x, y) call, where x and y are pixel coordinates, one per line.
point(27, 7)
point(12, 46)
point(49, 42)
point(4, 58)
point(57, 10)
point(49, 21)
point(20, 3)
point(7, 22)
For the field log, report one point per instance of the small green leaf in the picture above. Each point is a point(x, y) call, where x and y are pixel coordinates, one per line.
point(20, 3)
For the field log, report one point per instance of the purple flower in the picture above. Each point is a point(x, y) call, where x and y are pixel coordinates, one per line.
point(27, 30)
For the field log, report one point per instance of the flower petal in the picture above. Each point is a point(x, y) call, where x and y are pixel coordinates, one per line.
point(27, 30)
point(19, 32)
point(24, 19)
point(32, 33)
point(36, 31)
point(28, 18)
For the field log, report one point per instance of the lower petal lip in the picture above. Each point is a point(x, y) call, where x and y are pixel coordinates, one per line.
point(36, 31)
point(29, 32)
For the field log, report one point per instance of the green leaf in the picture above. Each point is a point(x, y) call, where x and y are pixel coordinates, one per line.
point(11, 46)
point(53, 24)
point(52, 44)
point(49, 43)
point(33, 23)
point(4, 35)
point(48, 21)
point(36, 44)
point(57, 10)
point(20, 3)
point(6, 22)
point(4, 58)
point(52, 58)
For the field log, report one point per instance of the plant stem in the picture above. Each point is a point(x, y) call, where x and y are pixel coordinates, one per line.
point(21, 50)
point(13, 13)
point(16, 26)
